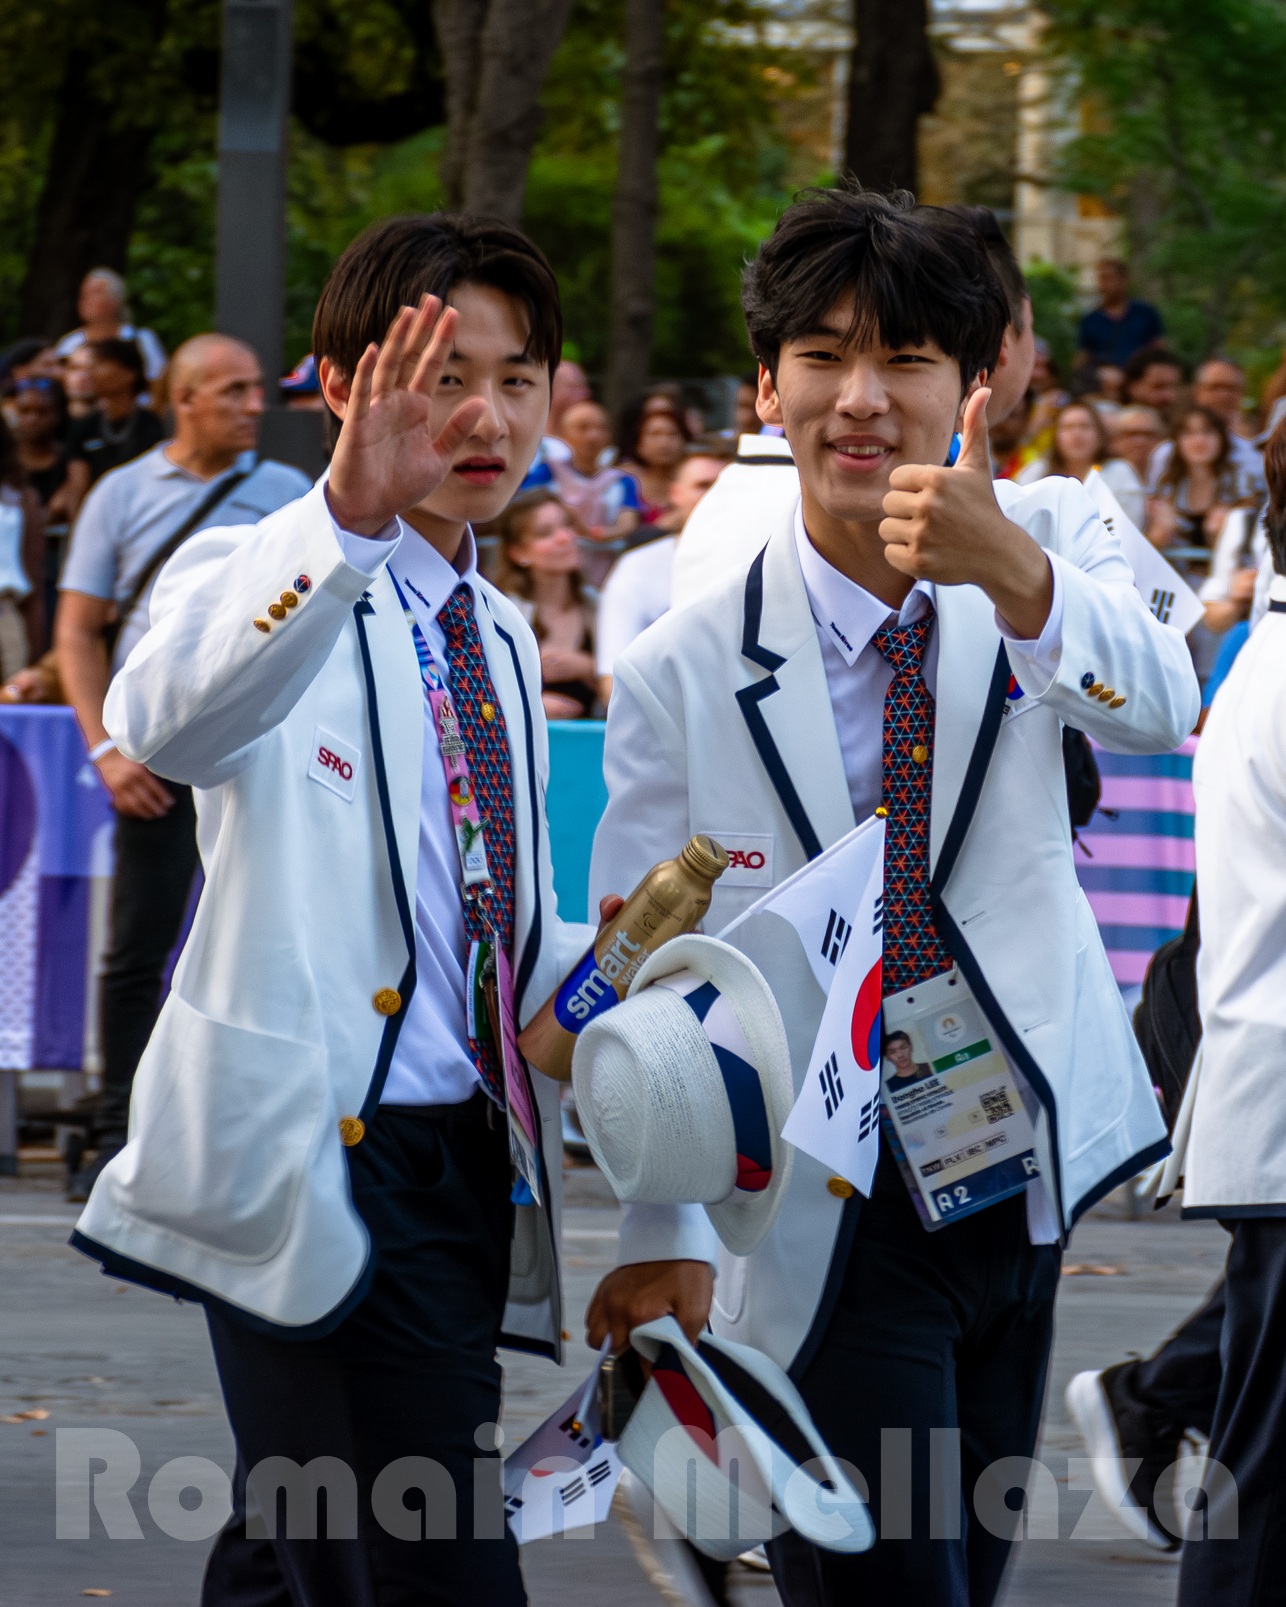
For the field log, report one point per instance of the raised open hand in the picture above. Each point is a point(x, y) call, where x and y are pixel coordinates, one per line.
point(387, 459)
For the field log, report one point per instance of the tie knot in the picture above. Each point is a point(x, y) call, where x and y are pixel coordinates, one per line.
point(456, 613)
point(903, 645)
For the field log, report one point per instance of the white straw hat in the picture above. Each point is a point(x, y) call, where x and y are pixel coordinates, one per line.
point(729, 1415)
point(683, 1089)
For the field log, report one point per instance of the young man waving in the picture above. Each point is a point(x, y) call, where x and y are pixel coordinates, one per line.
point(318, 1147)
point(906, 641)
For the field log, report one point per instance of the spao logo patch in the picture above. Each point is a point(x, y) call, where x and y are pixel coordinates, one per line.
point(334, 764)
point(749, 859)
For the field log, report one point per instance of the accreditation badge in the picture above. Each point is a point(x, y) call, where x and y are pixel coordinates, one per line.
point(963, 1116)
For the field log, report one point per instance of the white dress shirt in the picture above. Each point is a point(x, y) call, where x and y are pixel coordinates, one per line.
point(431, 1064)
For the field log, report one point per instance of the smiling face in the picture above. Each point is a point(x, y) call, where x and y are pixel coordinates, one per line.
point(853, 415)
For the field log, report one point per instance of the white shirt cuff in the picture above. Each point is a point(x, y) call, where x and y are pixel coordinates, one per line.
point(1043, 654)
point(366, 554)
point(667, 1233)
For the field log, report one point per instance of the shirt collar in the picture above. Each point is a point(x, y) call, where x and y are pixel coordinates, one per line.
point(430, 576)
point(847, 614)
point(165, 469)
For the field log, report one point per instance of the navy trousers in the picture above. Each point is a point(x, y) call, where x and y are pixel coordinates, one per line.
point(410, 1374)
point(931, 1331)
point(1179, 1384)
point(1241, 1561)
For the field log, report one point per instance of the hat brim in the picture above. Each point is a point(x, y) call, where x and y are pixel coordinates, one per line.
point(744, 1219)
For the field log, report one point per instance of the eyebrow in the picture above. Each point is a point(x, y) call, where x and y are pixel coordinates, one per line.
point(523, 359)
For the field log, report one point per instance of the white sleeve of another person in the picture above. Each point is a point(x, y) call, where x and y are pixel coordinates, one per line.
point(636, 595)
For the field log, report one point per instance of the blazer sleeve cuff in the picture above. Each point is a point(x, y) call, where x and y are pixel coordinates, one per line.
point(1039, 659)
point(667, 1233)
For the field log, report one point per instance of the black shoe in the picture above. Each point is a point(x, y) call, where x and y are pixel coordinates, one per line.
point(1116, 1430)
point(80, 1186)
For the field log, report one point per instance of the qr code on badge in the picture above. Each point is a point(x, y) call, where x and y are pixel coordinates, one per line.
point(996, 1106)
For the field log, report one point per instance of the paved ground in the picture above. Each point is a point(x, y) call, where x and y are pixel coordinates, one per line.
point(92, 1353)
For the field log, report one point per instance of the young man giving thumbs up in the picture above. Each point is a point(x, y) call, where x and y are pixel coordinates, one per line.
point(904, 641)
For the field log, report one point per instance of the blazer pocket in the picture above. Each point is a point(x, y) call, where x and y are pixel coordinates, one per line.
point(223, 1123)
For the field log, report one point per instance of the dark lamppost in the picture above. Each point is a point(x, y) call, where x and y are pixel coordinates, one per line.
point(250, 291)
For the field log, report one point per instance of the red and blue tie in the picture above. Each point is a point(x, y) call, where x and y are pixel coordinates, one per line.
point(482, 725)
point(913, 951)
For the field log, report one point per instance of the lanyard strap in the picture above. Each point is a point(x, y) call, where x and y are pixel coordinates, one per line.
point(469, 837)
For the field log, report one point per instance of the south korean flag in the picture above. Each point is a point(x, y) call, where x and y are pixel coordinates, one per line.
point(836, 1117)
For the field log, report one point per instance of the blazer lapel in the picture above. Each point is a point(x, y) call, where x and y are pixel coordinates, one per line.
point(966, 692)
point(788, 710)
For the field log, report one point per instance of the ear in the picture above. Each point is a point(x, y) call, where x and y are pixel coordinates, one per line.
point(334, 387)
point(979, 379)
point(767, 402)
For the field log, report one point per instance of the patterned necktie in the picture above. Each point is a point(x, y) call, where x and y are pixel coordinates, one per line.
point(913, 951)
point(482, 725)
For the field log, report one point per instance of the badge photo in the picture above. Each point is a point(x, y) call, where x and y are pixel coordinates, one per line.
point(334, 763)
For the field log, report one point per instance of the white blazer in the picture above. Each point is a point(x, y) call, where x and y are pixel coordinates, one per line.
point(720, 722)
point(233, 1186)
point(1235, 1164)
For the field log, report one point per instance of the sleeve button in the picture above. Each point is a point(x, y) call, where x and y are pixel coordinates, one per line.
point(840, 1187)
point(262, 625)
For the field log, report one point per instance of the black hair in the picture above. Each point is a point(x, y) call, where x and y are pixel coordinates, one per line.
point(125, 354)
point(917, 274)
point(889, 1037)
point(396, 261)
point(11, 470)
point(20, 354)
point(1275, 513)
point(1149, 357)
point(1000, 254)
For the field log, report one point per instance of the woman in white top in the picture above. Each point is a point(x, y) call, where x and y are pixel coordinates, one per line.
point(101, 303)
point(1080, 444)
point(22, 552)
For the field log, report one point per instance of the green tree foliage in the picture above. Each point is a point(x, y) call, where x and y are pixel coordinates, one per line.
point(1185, 125)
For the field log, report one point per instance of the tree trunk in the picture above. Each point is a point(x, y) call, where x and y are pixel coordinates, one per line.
point(97, 171)
point(894, 82)
point(634, 207)
point(458, 25)
point(496, 54)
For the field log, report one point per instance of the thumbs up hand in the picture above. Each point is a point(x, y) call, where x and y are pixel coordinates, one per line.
point(945, 525)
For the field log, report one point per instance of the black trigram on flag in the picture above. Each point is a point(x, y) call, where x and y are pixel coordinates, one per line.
point(1161, 604)
point(869, 1118)
point(877, 917)
point(832, 1087)
point(599, 1472)
point(573, 1491)
point(838, 932)
point(568, 1427)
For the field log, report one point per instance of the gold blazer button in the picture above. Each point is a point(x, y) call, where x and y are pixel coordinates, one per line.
point(388, 1001)
point(840, 1187)
point(276, 610)
point(290, 599)
point(1116, 703)
point(1093, 691)
point(262, 625)
point(352, 1130)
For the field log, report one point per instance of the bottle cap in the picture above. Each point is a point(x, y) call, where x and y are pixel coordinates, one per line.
point(705, 857)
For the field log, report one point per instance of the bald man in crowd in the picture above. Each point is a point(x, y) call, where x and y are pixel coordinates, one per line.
point(1220, 385)
point(131, 522)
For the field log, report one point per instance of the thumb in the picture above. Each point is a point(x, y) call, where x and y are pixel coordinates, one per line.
point(974, 452)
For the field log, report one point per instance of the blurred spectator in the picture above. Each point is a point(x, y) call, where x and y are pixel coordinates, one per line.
point(1274, 390)
point(1136, 433)
point(1006, 437)
point(42, 422)
point(1199, 481)
point(302, 389)
point(653, 445)
point(638, 589)
point(606, 500)
point(102, 304)
point(745, 421)
point(569, 387)
point(539, 569)
point(78, 382)
point(1079, 444)
point(1219, 386)
point(1152, 379)
point(1048, 395)
point(1235, 569)
point(1119, 325)
point(118, 430)
point(22, 563)
point(38, 683)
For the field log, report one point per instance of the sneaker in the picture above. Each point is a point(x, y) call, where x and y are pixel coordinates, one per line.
point(80, 1186)
point(1117, 1429)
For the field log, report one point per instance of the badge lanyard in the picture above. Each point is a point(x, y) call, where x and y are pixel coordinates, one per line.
point(475, 885)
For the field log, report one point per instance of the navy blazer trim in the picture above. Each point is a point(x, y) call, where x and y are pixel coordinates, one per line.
point(406, 987)
point(1123, 1173)
point(753, 619)
point(531, 949)
point(116, 1265)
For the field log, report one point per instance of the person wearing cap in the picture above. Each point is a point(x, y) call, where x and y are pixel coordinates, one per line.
point(910, 637)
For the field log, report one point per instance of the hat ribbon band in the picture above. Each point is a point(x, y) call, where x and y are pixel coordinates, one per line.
point(745, 1100)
